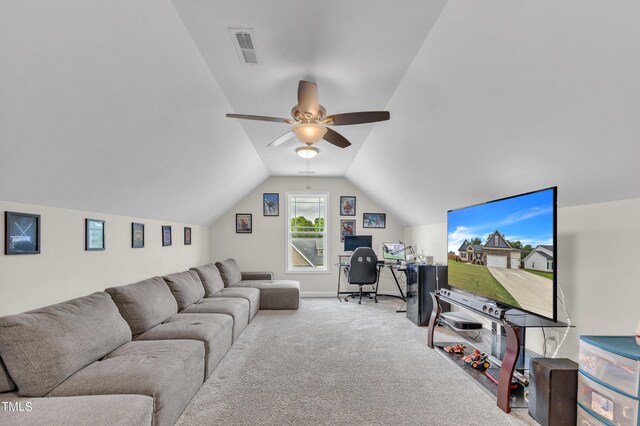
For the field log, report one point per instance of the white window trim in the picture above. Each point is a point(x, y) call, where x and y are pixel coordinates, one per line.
point(327, 243)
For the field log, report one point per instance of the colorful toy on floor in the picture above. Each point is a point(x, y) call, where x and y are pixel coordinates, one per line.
point(458, 348)
point(478, 360)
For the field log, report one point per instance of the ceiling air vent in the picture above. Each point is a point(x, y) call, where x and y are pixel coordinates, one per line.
point(243, 41)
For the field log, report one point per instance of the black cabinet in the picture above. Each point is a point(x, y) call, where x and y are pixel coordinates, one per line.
point(421, 280)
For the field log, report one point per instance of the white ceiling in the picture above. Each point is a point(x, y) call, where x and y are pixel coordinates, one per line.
point(118, 106)
point(506, 97)
point(356, 51)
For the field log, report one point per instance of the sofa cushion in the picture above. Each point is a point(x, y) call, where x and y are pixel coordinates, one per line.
point(6, 384)
point(229, 272)
point(103, 410)
point(144, 304)
point(186, 288)
point(237, 308)
point(250, 294)
point(210, 277)
point(170, 371)
point(278, 294)
point(43, 347)
point(214, 330)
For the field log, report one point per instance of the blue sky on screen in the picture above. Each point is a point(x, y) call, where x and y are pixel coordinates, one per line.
point(527, 218)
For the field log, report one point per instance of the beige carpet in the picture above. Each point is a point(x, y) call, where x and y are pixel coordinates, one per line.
point(333, 363)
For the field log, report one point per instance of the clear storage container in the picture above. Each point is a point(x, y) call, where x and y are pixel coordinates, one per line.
point(610, 359)
point(586, 419)
point(607, 403)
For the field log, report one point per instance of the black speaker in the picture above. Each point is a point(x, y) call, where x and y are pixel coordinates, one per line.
point(553, 388)
point(421, 280)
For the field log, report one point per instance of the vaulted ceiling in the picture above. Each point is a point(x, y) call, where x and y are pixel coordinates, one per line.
point(119, 106)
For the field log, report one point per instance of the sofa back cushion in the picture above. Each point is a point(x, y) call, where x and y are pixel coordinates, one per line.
point(186, 288)
point(144, 304)
point(6, 384)
point(210, 277)
point(41, 348)
point(229, 272)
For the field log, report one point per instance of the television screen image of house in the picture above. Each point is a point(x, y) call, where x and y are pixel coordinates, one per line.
point(503, 250)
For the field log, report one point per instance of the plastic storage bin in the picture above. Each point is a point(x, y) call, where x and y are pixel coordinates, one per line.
point(586, 419)
point(614, 360)
point(607, 403)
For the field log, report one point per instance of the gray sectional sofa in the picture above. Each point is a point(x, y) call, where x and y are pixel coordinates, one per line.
point(131, 355)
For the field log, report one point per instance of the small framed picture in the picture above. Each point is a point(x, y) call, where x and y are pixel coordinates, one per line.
point(137, 235)
point(270, 204)
point(347, 205)
point(244, 223)
point(374, 220)
point(22, 233)
point(347, 227)
point(166, 235)
point(93, 234)
point(187, 236)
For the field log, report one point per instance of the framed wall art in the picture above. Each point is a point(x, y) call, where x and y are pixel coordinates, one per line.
point(374, 220)
point(244, 223)
point(166, 235)
point(94, 235)
point(137, 235)
point(347, 227)
point(347, 205)
point(187, 236)
point(270, 204)
point(22, 233)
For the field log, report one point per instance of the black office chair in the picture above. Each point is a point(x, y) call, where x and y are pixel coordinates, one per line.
point(363, 270)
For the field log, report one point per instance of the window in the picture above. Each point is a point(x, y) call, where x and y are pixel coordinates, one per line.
point(495, 241)
point(307, 232)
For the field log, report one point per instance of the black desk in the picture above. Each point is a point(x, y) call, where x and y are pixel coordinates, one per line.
point(393, 267)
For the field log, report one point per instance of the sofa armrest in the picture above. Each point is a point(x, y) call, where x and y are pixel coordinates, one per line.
point(251, 276)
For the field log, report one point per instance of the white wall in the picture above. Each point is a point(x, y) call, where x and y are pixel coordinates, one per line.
point(64, 270)
point(597, 268)
point(265, 250)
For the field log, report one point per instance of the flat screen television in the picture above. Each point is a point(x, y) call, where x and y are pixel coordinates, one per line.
point(352, 242)
point(393, 251)
point(505, 250)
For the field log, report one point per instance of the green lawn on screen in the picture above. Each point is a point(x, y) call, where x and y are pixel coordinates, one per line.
point(545, 274)
point(477, 279)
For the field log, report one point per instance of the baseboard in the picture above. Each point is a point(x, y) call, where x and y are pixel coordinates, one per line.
point(317, 294)
point(333, 293)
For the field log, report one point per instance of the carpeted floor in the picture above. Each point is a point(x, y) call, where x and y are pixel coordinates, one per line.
point(333, 363)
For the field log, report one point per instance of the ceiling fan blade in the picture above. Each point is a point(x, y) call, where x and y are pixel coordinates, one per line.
point(336, 138)
point(308, 100)
point(261, 118)
point(356, 118)
point(282, 139)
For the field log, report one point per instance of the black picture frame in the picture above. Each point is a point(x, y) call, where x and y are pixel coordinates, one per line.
point(22, 233)
point(374, 220)
point(166, 235)
point(187, 236)
point(94, 236)
point(137, 235)
point(347, 227)
point(347, 205)
point(271, 204)
point(244, 223)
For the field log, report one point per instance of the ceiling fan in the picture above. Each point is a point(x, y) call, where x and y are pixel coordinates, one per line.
point(311, 121)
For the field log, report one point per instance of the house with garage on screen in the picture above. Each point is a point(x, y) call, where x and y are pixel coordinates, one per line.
point(498, 253)
point(540, 259)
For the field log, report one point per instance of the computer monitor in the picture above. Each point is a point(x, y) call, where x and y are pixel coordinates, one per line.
point(393, 251)
point(352, 242)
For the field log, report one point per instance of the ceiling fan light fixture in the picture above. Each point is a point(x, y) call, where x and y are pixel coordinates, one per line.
point(309, 133)
point(307, 152)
